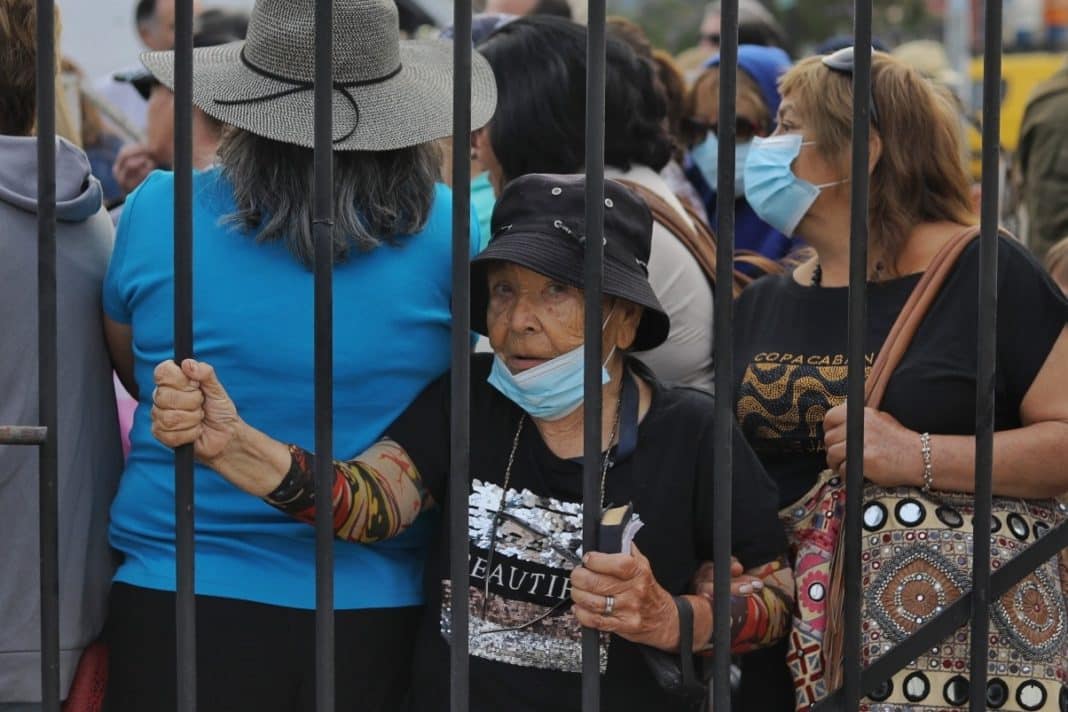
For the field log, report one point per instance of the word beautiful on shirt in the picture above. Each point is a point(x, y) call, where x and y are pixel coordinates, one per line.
point(520, 580)
point(524, 560)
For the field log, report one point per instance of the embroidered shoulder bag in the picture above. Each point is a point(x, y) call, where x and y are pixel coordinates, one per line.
point(916, 559)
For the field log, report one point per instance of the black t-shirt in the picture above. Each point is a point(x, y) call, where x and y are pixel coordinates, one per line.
point(668, 477)
point(791, 357)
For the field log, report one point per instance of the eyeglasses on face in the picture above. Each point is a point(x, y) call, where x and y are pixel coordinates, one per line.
point(711, 38)
point(744, 129)
point(843, 62)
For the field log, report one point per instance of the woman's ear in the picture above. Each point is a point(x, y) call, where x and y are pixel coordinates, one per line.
point(875, 150)
point(630, 315)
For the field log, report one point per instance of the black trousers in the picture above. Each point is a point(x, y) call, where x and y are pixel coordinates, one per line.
point(252, 656)
point(766, 682)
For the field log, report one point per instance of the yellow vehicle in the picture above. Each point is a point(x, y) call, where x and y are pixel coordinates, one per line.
point(1020, 73)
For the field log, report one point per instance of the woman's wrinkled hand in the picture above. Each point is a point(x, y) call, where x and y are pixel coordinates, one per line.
point(190, 406)
point(642, 611)
point(892, 456)
point(742, 584)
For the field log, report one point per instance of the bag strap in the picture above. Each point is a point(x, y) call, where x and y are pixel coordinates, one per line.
point(701, 225)
point(893, 350)
point(686, 666)
point(695, 236)
point(912, 314)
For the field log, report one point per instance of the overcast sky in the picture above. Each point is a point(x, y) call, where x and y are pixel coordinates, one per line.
point(99, 34)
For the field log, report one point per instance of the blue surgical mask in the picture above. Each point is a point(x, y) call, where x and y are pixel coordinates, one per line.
point(705, 156)
point(552, 390)
point(778, 196)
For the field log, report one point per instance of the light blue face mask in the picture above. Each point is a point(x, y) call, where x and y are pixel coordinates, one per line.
point(483, 200)
point(778, 196)
point(705, 156)
point(552, 390)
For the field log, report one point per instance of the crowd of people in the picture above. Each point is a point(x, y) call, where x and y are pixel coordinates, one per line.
point(245, 403)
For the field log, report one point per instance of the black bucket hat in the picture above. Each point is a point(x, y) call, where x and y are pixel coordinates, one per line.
point(539, 222)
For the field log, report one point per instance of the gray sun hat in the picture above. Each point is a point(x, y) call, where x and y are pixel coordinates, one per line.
point(388, 93)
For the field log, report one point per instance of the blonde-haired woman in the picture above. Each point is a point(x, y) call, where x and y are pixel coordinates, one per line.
point(790, 345)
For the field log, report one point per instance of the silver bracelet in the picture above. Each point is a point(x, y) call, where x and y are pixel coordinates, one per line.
point(928, 471)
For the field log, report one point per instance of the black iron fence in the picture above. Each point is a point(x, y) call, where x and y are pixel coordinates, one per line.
point(184, 514)
point(974, 605)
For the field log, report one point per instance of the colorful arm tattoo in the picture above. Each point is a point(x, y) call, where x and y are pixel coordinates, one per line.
point(376, 497)
point(762, 618)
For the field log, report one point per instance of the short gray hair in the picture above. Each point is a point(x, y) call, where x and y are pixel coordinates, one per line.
point(378, 196)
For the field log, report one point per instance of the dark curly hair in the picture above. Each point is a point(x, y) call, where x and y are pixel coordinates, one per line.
point(540, 126)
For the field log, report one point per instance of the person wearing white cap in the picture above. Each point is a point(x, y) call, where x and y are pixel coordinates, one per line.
point(252, 305)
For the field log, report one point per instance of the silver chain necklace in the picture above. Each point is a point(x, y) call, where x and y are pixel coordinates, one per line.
point(605, 464)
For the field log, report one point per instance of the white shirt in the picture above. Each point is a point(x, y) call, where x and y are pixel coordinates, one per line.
point(686, 357)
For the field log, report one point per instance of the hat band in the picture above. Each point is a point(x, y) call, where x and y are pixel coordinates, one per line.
point(295, 87)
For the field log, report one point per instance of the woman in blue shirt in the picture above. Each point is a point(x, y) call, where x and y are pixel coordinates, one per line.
point(253, 297)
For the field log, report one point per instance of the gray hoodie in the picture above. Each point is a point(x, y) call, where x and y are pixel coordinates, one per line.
point(90, 454)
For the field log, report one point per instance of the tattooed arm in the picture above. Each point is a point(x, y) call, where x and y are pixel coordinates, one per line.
point(376, 496)
point(762, 617)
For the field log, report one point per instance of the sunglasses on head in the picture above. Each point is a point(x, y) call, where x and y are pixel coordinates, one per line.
point(842, 62)
point(744, 129)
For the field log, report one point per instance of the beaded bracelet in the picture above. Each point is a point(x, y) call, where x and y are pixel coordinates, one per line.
point(928, 471)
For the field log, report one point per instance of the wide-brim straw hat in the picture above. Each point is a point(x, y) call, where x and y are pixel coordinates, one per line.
point(388, 93)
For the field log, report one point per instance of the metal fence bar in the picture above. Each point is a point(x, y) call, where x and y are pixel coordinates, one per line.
point(323, 235)
point(953, 617)
point(185, 607)
point(858, 329)
point(987, 344)
point(723, 465)
point(594, 282)
point(460, 417)
point(47, 355)
point(23, 434)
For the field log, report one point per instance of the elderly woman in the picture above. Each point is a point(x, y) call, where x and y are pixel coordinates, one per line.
point(253, 319)
point(791, 338)
point(530, 593)
point(540, 66)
